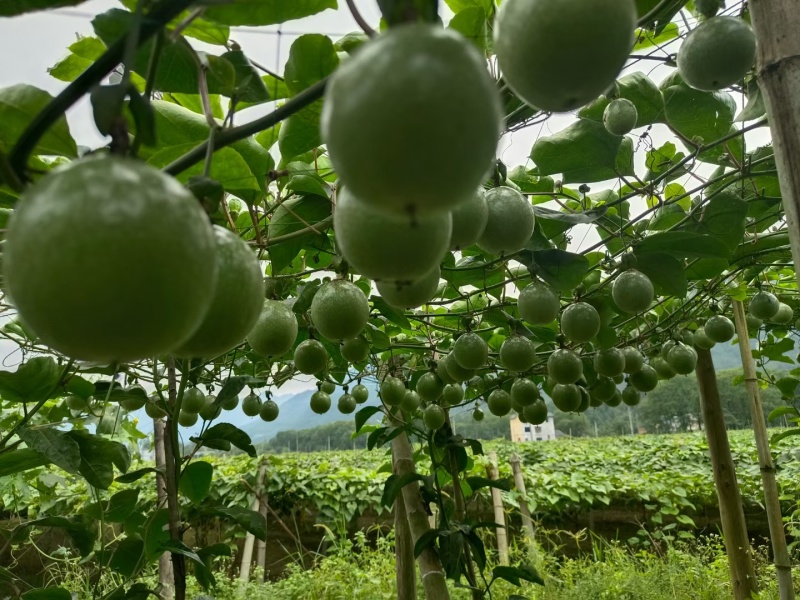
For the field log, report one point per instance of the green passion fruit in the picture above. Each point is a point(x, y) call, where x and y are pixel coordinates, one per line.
point(469, 221)
point(430, 387)
point(609, 362)
point(645, 379)
point(663, 368)
point(477, 415)
point(567, 397)
point(499, 403)
point(603, 389)
point(564, 366)
point(764, 305)
point(719, 329)
point(269, 411)
point(193, 400)
point(470, 351)
point(346, 404)
point(433, 416)
point(389, 247)
point(510, 223)
point(410, 295)
point(310, 357)
point(620, 116)
point(327, 386)
point(631, 396)
point(320, 402)
point(355, 350)
point(187, 419)
point(632, 291)
point(251, 405)
point(538, 304)
point(524, 391)
point(535, 413)
point(517, 354)
point(360, 392)
point(784, 316)
point(633, 359)
point(580, 322)
point(701, 340)
point(393, 390)
point(275, 330)
point(418, 152)
point(456, 371)
point(339, 310)
point(717, 53)
point(88, 245)
point(682, 359)
point(236, 302)
point(558, 56)
point(411, 401)
point(452, 394)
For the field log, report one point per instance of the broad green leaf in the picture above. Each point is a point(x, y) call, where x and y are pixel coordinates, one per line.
point(778, 437)
point(647, 38)
point(33, 380)
point(395, 484)
point(364, 415)
point(472, 270)
point(583, 152)
point(82, 54)
point(98, 456)
point(127, 557)
point(56, 446)
point(755, 107)
point(11, 8)
point(312, 57)
point(48, 593)
point(250, 520)
point(156, 533)
point(195, 481)
point(782, 411)
point(81, 534)
point(178, 547)
point(472, 24)
point(229, 435)
point(789, 386)
point(199, 28)
point(723, 218)
point(294, 215)
point(266, 12)
point(516, 574)
point(560, 269)
point(665, 271)
point(394, 315)
point(683, 244)
point(248, 87)
point(19, 104)
point(121, 505)
point(300, 132)
point(701, 117)
point(136, 475)
point(639, 89)
point(21, 459)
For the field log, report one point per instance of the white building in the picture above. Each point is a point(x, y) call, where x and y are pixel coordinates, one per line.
point(525, 432)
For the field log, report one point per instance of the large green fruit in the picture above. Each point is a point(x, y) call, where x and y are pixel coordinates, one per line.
point(764, 305)
point(209, 412)
point(645, 379)
point(580, 322)
point(499, 403)
point(564, 366)
point(320, 402)
point(469, 221)
point(134, 401)
point(682, 359)
point(620, 116)
point(410, 295)
point(230, 403)
point(355, 349)
point(559, 55)
point(535, 413)
point(753, 322)
point(193, 400)
point(470, 351)
point(153, 408)
point(566, 397)
point(441, 371)
point(393, 390)
point(433, 417)
point(517, 354)
point(632, 291)
point(586, 400)
point(412, 120)
point(538, 304)
point(76, 403)
point(707, 8)
point(346, 404)
point(386, 246)
point(603, 389)
point(633, 359)
point(719, 329)
point(609, 362)
point(666, 347)
point(269, 411)
point(631, 396)
point(110, 259)
point(510, 223)
point(456, 371)
point(327, 386)
point(187, 419)
point(236, 302)
point(717, 53)
point(663, 368)
point(784, 316)
point(410, 401)
point(251, 405)
point(452, 394)
point(310, 357)
point(524, 391)
point(615, 399)
point(361, 393)
point(477, 415)
point(701, 340)
point(430, 387)
point(275, 330)
point(339, 310)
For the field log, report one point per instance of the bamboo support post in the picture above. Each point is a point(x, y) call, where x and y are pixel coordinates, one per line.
point(499, 513)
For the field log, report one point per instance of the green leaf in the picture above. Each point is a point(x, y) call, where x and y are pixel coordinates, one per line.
point(248, 86)
point(250, 520)
point(723, 218)
point(56, 446)
point(98, 457)
point(395, 315)
point(195, 481)
point(178, 547)
point(683, 244)
point(783, 435)
point(292, 216)
point(127, 556)
point(11, 8)
point(80, 533)
point(156, 533)
point(300, 132)
point(364, 415)
point(394, 485)
point(82, 54)
point(755, 107)
point(788, 387)
point(229, 434)
point(21, 459)
point(426, 540)
point(312, 57)
point(702, 117)
point(33, 380)
point(782, 411)
point(639, 89)
point(583, 152)
point(50, 593)
point(19, 104)
point(136, 475)
point(560, 269)
point(473, 270)
point(472, 24)
point(647, 38)
point(477, 483)
point(121, 505)
point(516, 574)
point(266, 12)
point(665, 271)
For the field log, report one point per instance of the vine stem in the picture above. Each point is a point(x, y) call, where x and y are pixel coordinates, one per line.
point(38, 406)
point(152, 23)
point(360, 19)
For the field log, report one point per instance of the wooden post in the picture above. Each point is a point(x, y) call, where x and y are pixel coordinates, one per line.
point(430, 567)
point(776, 23)
point(527, 522)
point(165, 576)
point(499, 513)
point(405, 571)
point(777, 535)
point(734, 528)
point(261, 560)
point(249, 541)
point(172, 456)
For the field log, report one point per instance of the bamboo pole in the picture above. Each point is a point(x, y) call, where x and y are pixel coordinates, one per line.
point(165, 576)
point(499, 513)
point(261, 559)
point(173, 466)
point(525, 512)
point(777, 535)
point(405, 571)
point(734, 528)
point(249, 541)
point(430, 567)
